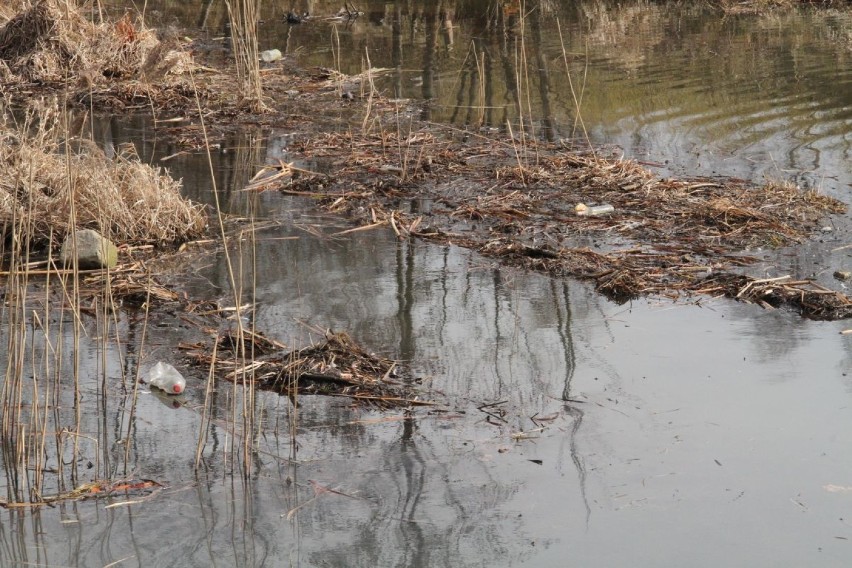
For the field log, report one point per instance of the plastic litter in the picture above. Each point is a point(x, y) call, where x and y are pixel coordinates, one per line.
point(271, 55)
point(167, 378)
point(593, 210)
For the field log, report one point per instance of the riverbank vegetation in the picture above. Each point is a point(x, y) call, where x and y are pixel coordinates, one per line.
point(52, 181)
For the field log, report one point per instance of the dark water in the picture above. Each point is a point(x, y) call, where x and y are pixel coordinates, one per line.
point(675, 83)
point(650, 434)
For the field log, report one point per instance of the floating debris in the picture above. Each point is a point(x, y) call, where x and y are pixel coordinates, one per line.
point(584, 210)
point(336, 366)
point(166, 378)
point(809, 298)
point(270, 55)
point(668, 237)
point(95, 490)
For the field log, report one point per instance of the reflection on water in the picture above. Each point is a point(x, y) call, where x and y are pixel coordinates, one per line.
point(422, 488)
point(651, 425)
point(673, 83)
point(652, 434)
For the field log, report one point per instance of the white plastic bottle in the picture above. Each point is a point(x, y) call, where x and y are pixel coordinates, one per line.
point(593, 210)
point(167, 378)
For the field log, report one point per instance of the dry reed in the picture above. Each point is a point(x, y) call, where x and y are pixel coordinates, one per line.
point(127, 200)
point(50, 41)
point(243, 16)
point(665, 236)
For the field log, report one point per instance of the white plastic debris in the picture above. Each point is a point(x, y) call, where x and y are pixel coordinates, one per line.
point(593, 210)
point(271, 55)
point(167, 378)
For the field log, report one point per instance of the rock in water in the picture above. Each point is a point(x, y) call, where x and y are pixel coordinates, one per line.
point(93, 250)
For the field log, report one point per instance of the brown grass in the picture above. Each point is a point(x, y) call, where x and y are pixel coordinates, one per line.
point(50, 41)
point(760, 7)
point(124, 199)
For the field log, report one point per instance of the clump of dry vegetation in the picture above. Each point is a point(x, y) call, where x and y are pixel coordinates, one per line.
point(735, 7)
point(756, 7)
point(50, 43)
point(334, 366)
point(44, 175)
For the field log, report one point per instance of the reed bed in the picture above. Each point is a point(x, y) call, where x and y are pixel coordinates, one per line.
point(243, 16)
point(52, 182)
point(511, 197)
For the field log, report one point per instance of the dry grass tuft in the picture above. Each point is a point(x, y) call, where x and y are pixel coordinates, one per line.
point(738, 7)
point(762, 7)
point(50, 41)
point(124, 199)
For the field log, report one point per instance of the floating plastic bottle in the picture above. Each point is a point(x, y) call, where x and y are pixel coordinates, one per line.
point(167, 378)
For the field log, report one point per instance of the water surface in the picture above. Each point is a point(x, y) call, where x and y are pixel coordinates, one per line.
point(679, 84)
point(655, 433)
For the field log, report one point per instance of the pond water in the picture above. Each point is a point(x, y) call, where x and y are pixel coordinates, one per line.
point(674, 83)
point(655, 433)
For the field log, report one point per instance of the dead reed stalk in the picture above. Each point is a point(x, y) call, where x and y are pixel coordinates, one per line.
point(243, 393)
point(243, 16)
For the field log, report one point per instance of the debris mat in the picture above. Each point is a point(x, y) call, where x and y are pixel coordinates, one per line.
point(136, 488)
point(663, 236)
point(335, 366)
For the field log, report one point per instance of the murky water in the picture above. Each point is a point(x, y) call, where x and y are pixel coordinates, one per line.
point(673, 83)
point(651, 434)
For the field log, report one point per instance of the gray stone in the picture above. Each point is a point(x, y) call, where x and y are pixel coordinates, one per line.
point(93, 250)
